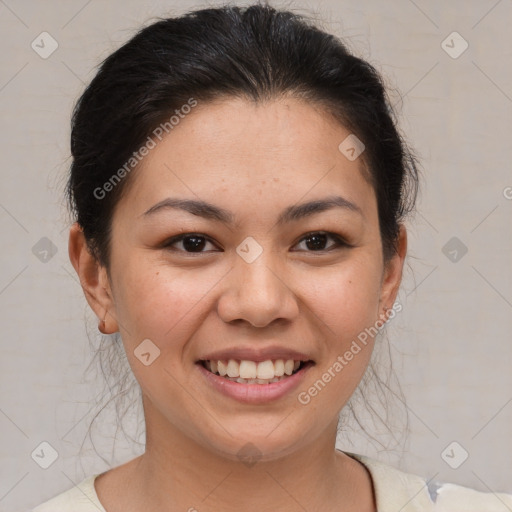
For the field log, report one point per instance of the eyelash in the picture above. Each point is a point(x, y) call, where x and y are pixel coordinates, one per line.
point(338, 241)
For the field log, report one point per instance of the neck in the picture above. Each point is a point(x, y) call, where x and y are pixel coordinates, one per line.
point(177, 473)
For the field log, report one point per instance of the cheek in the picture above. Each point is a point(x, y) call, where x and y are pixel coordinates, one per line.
point(160, 304)
point(345, 301)
point(346, 298)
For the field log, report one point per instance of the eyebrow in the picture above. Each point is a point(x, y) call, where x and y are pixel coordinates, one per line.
point(290, 214)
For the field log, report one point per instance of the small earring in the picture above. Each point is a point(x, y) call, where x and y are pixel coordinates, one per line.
point(101, 325)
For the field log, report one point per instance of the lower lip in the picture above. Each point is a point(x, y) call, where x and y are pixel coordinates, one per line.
point(255, 393)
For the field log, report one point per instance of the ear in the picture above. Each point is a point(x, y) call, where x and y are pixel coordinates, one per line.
point(94, 280)
point(392, 275)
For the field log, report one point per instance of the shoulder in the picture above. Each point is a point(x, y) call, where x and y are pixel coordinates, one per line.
point(407, 492)
point(80, 498)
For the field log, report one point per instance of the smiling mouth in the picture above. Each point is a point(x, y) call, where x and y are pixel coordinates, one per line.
point(252, 372)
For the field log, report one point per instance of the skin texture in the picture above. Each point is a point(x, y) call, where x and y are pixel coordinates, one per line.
point(254, 160)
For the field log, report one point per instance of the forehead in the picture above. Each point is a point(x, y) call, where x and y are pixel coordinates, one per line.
point(240, 150)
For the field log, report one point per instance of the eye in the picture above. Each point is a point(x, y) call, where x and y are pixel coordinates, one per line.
point(196, 242)
point(316, 241)
point(191, 242)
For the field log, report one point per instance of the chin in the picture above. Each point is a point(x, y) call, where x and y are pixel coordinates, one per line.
point(262, 445)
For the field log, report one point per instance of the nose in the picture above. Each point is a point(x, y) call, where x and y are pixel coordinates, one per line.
point(257, 294)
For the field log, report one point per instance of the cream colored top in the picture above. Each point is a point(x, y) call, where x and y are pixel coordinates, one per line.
point(395, 491)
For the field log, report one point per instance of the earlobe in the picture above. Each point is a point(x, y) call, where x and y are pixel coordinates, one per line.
point(93, 279)
point(392, 276)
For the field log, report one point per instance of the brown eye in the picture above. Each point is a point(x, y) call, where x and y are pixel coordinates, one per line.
point(191, 242)
point(316, 241)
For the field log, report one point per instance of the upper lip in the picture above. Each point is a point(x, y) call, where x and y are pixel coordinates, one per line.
point(257, 355)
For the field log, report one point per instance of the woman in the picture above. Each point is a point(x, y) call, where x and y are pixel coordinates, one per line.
point(240, 189)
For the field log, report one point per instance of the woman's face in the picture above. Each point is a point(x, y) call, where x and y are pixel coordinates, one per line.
point(254, 283)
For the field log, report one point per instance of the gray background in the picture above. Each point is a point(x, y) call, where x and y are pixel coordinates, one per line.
point(451, 343)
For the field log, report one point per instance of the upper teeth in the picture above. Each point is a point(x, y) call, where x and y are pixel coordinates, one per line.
point(252, 370)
